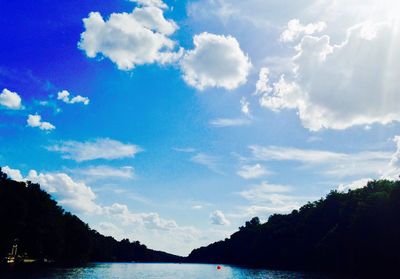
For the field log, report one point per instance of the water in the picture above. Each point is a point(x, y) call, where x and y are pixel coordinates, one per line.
point(157, 271)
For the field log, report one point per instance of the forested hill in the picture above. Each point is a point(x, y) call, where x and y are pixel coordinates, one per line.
point(45, 230)
point(354, 232)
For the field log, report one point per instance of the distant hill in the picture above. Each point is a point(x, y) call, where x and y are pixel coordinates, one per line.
point(354, 232)
point(45, 230)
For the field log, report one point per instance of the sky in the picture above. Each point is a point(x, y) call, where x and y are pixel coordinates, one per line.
point(174, 122)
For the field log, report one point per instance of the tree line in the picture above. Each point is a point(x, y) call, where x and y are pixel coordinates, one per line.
point(356, 232)
point(43, 230)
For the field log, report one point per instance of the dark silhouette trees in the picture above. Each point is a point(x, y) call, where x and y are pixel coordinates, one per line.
point(354, 232)
point(45, 231)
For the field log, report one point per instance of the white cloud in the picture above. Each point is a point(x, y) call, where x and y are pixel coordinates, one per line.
point(279, 95)
point(335, 164)
point(218, 218)
point(295, 29)
point(393, 170)
point(197, 207)
point(229, 122)
point(271, 14)
point(106, 172)
point(103, 148)
point(262, 85)
point(35, 121)
point(65, 97)
point(76, 196)
point(156, 232)
point(265, 192)
point(10, 99)
point(151, 3)
point(184, 149)
point(268, 199)
point(339, 86)
point(215, 61)
point(107, 228)
point(280, 204)
point(148, 220)
point(12, 173)
point(252, 171)
point(245, 106)
point(130, 39)
point(360, 183)
point(209, 161)
point(118, 220)
point(294, 154)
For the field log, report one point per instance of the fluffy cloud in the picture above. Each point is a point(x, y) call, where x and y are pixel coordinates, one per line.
point(295, 29)
point(215, 61)
point(117, 219)
point(10, 99)
point(393, 170)
point(252, 171)
point(103, 148)
point(65, 97)
point(360, 183)
point(80, 198)
point(276, 96)
point(245, 106)
point(218, 218)
point(339, 86)
point(107, 228)
point(148, 220)
point(35, 121)
point(12, 173)
point(229, 122)
point(76, 196)
point(130, 39)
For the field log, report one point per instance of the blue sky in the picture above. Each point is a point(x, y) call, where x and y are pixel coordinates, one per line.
point(173, 123)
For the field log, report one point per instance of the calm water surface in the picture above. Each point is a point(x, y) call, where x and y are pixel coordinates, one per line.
point(158, 271)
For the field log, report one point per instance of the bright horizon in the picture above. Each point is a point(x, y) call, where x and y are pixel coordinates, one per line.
point(174, 122)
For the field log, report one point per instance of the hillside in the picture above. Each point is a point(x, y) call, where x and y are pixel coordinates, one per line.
point(45, 230)
point(354, 232)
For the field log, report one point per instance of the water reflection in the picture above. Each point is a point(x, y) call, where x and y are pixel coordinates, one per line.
point(158, 271)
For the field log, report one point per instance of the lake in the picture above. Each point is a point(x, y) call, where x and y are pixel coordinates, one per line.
point(158, 271)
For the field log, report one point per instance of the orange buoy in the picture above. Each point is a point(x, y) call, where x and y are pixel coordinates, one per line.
point(219, 267)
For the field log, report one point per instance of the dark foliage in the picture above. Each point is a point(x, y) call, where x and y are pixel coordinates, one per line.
point(354, 232)
point(45, 230)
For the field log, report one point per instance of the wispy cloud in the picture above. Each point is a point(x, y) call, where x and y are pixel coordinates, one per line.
point(266, 199)
point(184, 149)
point(229, 122)
point(252, 171)
point(368, 163)
point(103, 148)
point(106, 172)
point(265, 192)
point(209, 161)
